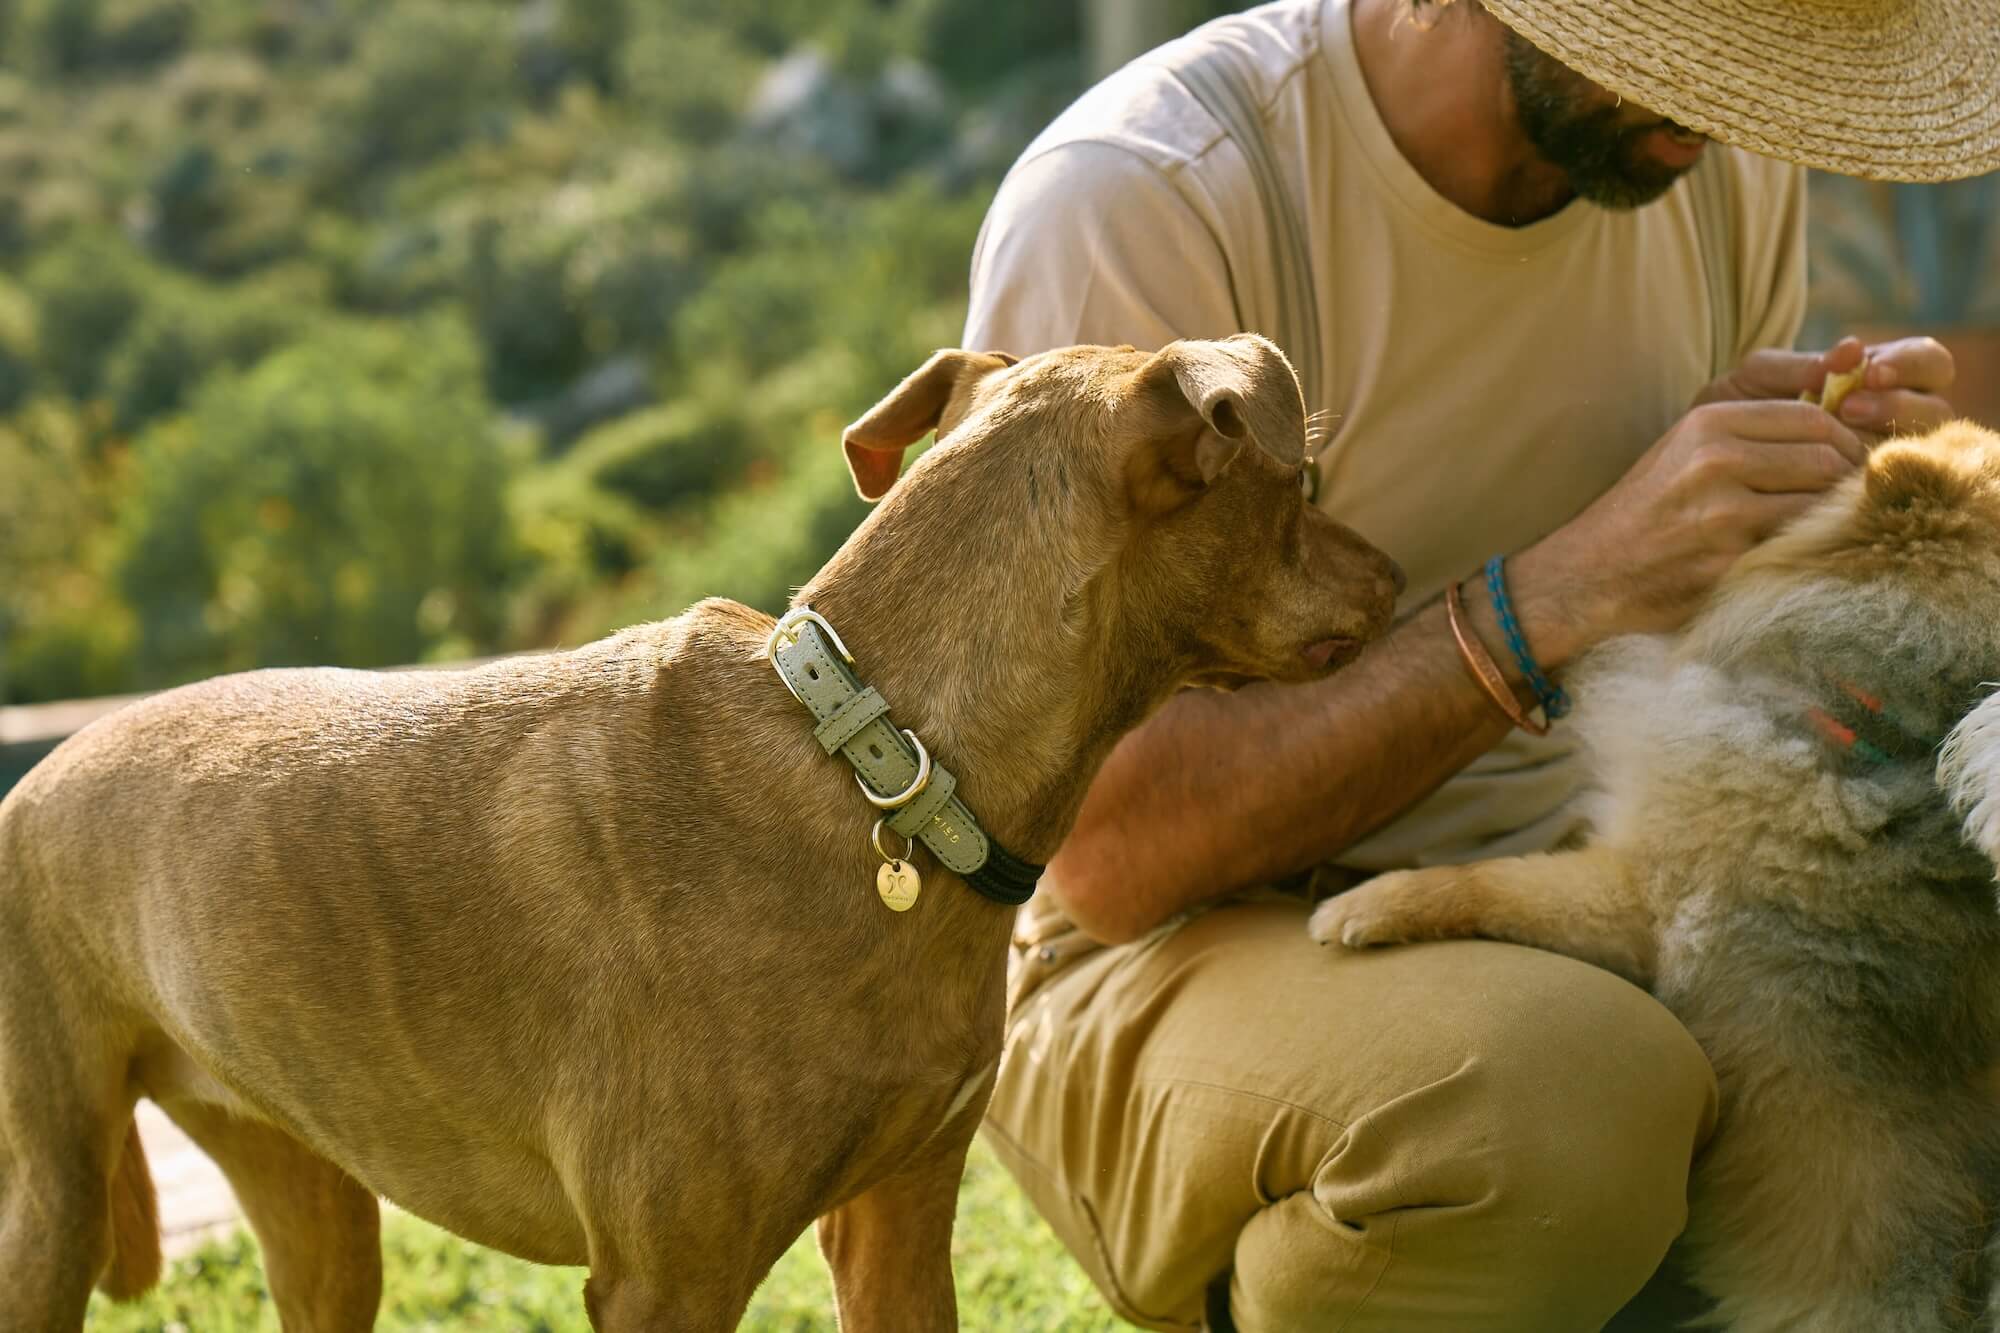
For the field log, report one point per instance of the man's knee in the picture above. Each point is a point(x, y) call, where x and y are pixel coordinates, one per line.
point(1537, 1186)
point(1603, 1106)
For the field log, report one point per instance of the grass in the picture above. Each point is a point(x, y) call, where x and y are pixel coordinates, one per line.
point(1012, 1275)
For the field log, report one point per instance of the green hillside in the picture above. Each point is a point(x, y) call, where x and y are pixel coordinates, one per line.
point(339, 331)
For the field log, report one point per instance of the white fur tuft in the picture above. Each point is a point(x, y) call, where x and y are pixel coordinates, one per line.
point(1969, 771)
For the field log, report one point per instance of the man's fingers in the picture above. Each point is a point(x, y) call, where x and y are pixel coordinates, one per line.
point(1788, 469)
point(1777, 421)
point(1919, 364)
point(1843, 356)
point(1776, 373)
point(1898, 412)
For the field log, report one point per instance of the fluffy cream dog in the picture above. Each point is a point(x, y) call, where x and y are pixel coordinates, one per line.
point(1799, 807)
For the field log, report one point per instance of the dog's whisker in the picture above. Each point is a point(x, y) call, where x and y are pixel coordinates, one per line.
point(1320, 426)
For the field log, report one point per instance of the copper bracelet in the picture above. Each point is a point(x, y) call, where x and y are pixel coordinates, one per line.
point(1480, 663)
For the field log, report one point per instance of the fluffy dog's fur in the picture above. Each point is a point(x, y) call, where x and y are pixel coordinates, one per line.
point(1780, 854)
point(580, 955)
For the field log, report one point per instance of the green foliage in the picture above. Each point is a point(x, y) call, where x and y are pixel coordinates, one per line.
point(429, 75)
point(86, 291)
point(636, 290)
point(17, 346)
point(661, 456)
point(60, 33)
point(758, 544)
point(69, 36)
point(63, 633)
point(590, 34)
point(970, 40)
point(692, 79)
point(1011, 1272)
point(342, 501)
point(518, 287)
point(185, 335)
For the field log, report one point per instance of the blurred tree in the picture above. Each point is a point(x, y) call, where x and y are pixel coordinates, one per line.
point(182, 338)
point(69, 36)
point(17, 347)
point(60, 33)
point(428, 75)
point(65, 633)
point(517, 287)
point(662, 456)
point(592, 34)
point(139, 33)
point(974, 44)
point(86, 290)
point(213, 453)
point(1120, 30)
point(692, 79)
point(340, 502)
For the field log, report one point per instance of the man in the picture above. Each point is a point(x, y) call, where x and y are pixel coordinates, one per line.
point(1520, 355)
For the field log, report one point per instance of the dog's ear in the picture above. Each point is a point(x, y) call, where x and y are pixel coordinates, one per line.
point(1195, 406)
point(1907, 475)
point(874, 445)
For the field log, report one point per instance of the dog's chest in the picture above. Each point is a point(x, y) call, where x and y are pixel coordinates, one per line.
point(1907, 991)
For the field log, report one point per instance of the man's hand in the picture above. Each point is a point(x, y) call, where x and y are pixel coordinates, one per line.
point(1647, 552)
point(1898, 397)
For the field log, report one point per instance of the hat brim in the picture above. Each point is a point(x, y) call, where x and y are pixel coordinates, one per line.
point(1905, 90)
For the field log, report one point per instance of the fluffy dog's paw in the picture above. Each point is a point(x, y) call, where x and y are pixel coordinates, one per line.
point(1363, 917)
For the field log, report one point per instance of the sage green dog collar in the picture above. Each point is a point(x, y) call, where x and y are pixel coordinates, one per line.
point(897, 774)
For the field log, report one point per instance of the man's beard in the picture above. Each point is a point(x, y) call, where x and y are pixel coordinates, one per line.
point(1605, 161)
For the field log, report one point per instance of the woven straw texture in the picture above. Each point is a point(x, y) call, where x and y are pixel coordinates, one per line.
point(1889, 89)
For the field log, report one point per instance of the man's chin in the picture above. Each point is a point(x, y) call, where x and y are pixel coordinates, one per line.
point(1636, 185)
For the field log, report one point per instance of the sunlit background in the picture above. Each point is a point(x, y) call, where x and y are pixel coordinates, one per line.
point(379, 334)
point(373, 333)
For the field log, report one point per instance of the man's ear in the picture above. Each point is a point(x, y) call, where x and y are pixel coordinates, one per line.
point(1195, 405)
point(874, 445)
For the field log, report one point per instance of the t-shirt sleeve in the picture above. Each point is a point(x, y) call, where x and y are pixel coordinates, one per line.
point(1090, 243)
point(1773, 221)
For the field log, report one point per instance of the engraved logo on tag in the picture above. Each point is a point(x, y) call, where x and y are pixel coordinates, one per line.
point(897, 883)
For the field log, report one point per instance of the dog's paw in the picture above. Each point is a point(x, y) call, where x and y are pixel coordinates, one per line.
point(1364, 917)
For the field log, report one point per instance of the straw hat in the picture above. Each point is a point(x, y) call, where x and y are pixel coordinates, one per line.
point(1892, 89)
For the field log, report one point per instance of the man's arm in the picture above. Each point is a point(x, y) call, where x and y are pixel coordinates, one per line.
point(1218, 792)
point(1221, 791)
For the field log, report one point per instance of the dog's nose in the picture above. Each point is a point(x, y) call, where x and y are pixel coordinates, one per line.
point(1397, 576)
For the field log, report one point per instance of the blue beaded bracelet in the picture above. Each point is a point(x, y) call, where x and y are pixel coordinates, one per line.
point(1550, 695)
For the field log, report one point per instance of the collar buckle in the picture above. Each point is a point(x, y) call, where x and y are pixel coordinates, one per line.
point(786, 633)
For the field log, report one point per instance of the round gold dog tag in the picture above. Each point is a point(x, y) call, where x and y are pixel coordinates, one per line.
point(898, 884)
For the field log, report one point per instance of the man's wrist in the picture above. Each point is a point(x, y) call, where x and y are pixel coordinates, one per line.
point(1560, 614)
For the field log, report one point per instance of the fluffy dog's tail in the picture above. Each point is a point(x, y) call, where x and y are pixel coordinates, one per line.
point(1969, 771)
point(135, 1225)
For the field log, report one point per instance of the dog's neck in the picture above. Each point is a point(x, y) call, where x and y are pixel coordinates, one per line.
point(1000, 642)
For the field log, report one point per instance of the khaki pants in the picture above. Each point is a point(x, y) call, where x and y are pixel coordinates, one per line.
point(1463, 1135)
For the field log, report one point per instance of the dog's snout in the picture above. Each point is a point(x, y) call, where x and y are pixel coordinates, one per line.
point(1398, 580)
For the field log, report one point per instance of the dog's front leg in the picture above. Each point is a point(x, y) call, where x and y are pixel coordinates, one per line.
point(1585, 904)
point(889, 1249)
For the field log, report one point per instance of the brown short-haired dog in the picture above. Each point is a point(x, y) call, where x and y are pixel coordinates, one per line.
point(1780, 856)
point(581, 955)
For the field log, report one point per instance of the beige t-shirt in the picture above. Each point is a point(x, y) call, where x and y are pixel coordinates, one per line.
point(1485, 382)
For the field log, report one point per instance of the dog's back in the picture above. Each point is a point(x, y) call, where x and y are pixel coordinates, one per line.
point(218, 868)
